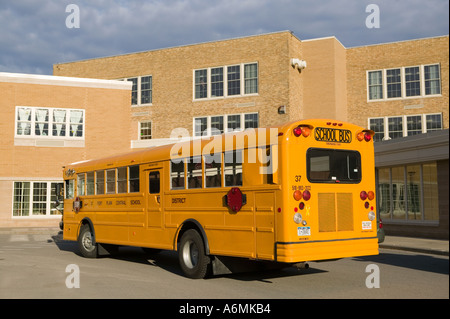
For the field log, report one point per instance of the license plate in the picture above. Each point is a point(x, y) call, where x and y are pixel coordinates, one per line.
point(366, 225)
point(304, 231)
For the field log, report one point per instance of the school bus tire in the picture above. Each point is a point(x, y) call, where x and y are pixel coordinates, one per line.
point(192, 257)
point(86, 242)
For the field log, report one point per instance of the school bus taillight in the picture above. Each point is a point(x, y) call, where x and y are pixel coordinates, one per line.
point(306, 195)
point(367, 195)
point(298, 195)
point(365, 135)
point(363, 195)
point(302, 130)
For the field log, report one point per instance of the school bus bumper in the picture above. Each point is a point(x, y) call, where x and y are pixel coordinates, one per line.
point(292, 252)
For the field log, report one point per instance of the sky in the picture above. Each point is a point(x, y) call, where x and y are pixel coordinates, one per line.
point(35, 34)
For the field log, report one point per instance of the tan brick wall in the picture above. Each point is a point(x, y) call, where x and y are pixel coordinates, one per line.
point(104, 135)
point(325, 79)
point(172, 71)
point(333, 85)
point(395, 55)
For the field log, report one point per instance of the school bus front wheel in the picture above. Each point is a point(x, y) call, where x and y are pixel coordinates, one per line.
point(86, 242)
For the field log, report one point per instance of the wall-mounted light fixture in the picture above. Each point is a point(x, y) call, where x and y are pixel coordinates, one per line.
point(282, 109)
point(298, 64)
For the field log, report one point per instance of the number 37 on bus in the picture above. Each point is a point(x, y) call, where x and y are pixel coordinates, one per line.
point(302, 191)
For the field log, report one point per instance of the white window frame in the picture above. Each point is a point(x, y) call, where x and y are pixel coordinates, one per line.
point(225, 123)
point(49, 203)
point(50, 122)
point(140, 128)
point(403, 83)
point(139, 89)
point(225, 82)
point(404, 123)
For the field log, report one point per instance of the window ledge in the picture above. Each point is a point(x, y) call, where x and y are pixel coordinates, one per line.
point(48, 142)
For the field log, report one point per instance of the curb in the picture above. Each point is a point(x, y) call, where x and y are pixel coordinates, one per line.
point(417, 250)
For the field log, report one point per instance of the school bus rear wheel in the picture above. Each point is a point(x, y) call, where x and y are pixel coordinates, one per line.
point(191, 255)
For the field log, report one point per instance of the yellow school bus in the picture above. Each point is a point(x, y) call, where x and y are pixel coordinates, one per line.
point(302, 191)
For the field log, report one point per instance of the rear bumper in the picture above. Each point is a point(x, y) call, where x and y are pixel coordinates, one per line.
point(291, 252)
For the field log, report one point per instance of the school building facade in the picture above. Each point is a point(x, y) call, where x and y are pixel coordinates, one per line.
point(47, 122)
point(399, 90)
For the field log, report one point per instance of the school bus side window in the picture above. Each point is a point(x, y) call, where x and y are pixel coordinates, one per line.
point(213, 170)
point(133, 174)
point(233, 168)
point(111, 181)
point(80, 184)
point(122, 180)
point(194, 173)
point(70, 188)
point(154, 183)
point(177, 174)
point(100, 182)
point(90, 183)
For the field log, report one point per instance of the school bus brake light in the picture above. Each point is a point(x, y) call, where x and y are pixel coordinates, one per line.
point(365, 135)
point(302, 130)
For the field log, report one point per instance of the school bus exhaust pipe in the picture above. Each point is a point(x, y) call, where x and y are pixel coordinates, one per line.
point(303, 265)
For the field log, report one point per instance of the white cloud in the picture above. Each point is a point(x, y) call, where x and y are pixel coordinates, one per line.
point(34, 36)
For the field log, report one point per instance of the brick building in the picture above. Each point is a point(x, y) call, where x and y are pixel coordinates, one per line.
point(397, 89)
point(47, 122)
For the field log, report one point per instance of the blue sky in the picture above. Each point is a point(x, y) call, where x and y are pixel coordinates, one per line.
point(34, 36)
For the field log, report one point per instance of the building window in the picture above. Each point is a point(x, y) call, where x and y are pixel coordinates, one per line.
point(432, 79)
point(393, 81)
point(134, 91)
point(251, 78)
point(216, 82)
point(251, 120)
point(145, 130)
point(414, 125)
point(141, 90)
point(32, 199)
point(434, 122)
point(200, 126)
point(375, 85)
point(49, 122)
point(408, 193)
point(377, 125)
point(146, 89)
point(404, 82)
point(394, 127)
point(226, 81)
point(412, 81)
point(234, 123)
point(201, 86)
point(234, 80)
point(215, 125)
